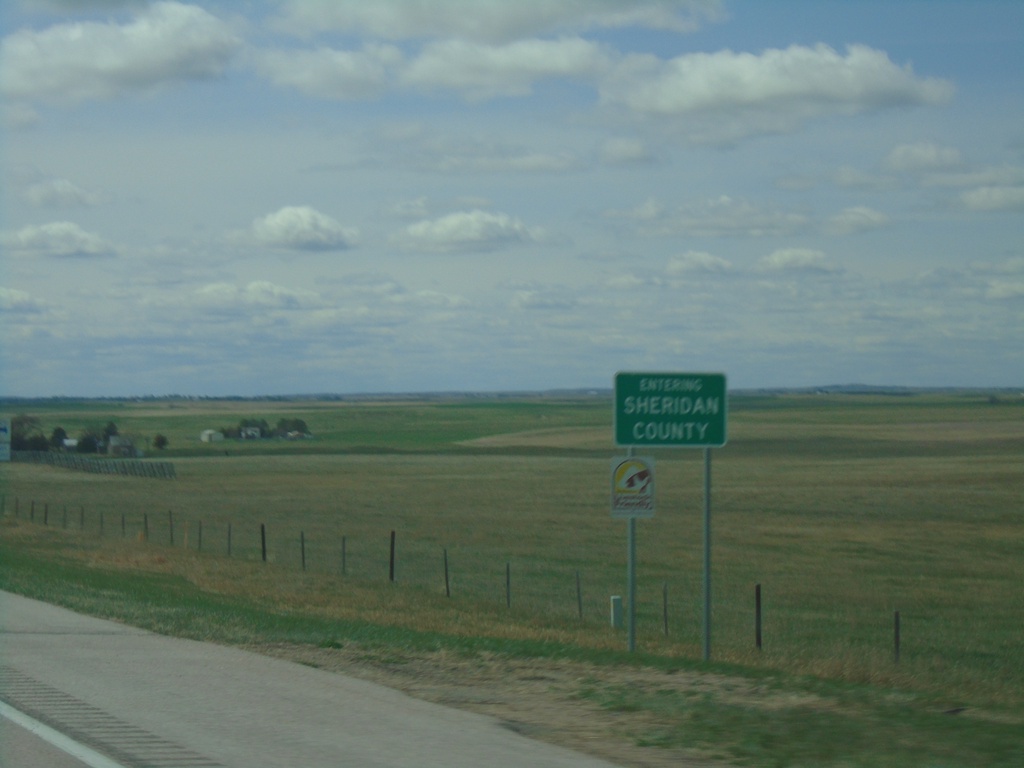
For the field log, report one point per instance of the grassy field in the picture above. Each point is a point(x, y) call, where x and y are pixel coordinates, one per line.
point(844, 509)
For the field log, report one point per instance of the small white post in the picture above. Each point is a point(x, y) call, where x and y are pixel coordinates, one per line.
point(617, 611)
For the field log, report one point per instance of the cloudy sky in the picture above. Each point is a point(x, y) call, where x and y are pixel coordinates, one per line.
point(304, 196)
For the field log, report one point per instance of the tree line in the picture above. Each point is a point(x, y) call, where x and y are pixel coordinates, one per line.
point(27, 435)
point(284, 428)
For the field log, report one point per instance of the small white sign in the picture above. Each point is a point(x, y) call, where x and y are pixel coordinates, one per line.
point(632, 487)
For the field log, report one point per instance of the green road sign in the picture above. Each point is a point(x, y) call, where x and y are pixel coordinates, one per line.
point(670, 410)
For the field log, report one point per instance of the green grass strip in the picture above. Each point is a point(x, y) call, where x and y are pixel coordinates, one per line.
point(741, 716)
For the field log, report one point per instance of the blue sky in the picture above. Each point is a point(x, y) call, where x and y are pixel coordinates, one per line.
point(305, 196)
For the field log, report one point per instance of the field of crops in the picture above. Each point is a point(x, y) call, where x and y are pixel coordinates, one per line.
point(845, 509)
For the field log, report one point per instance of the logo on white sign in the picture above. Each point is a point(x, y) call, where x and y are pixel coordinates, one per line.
point(632, 487)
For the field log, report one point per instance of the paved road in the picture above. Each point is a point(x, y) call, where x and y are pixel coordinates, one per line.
point(20, 748)
point(144, 699)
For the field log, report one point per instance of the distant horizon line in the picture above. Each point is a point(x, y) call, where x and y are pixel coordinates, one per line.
point(852, 388)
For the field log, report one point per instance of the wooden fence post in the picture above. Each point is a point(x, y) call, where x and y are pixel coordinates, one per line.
point(896, 636)
point(664, 605)
point(579, 596)
point(447, 584)
point(391, 569)
point(757, 616)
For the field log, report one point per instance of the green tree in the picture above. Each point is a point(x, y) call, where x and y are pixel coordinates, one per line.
point(25, 430)
point(37, 442)
point(159, 442)
point(58, 437)
point(260, 424)
point(285, 426)
point(109, 431)
point(89, 441)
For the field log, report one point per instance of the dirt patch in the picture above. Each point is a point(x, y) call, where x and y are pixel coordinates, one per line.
point(539, 699)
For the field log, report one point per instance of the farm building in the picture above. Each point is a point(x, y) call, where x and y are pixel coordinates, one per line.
point(211, 436)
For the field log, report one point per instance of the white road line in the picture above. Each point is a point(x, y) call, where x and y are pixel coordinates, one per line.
point(90, 757)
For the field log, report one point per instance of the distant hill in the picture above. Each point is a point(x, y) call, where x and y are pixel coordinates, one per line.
point(14, 403)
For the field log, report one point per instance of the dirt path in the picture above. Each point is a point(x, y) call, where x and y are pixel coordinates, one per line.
point(537, 698)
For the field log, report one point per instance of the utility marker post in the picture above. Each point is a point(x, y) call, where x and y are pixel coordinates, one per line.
point(664, 410)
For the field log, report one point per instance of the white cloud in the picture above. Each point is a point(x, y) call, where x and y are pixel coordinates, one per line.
point(79, 6)
point(922, 156)
point(257, 294)
point(547, 300)
point(1003, 176)
point(302, 228)
point(854, 178)
point(430, 300)
point(743, 94)
point(333, 74)
point(166, 42)
point(58, 238)
point(856, 219)
point(796, 259)
point(411, 209)
point(12, 300)
point(528, 162)
point(718, 217)
point(994, 199)
point(59, 192)
point(484, 71)
point(463, 154)
point(491, 20)
point(1006, 289)
point(469, 231)
point(16, 116)
point(650, 209)
point(697, 261)
point(629, 282)
point(621, 151)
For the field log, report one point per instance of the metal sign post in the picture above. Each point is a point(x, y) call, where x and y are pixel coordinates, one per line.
point(632, 497)
point(707, 554)
point(670, 410)
point(631, 584)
